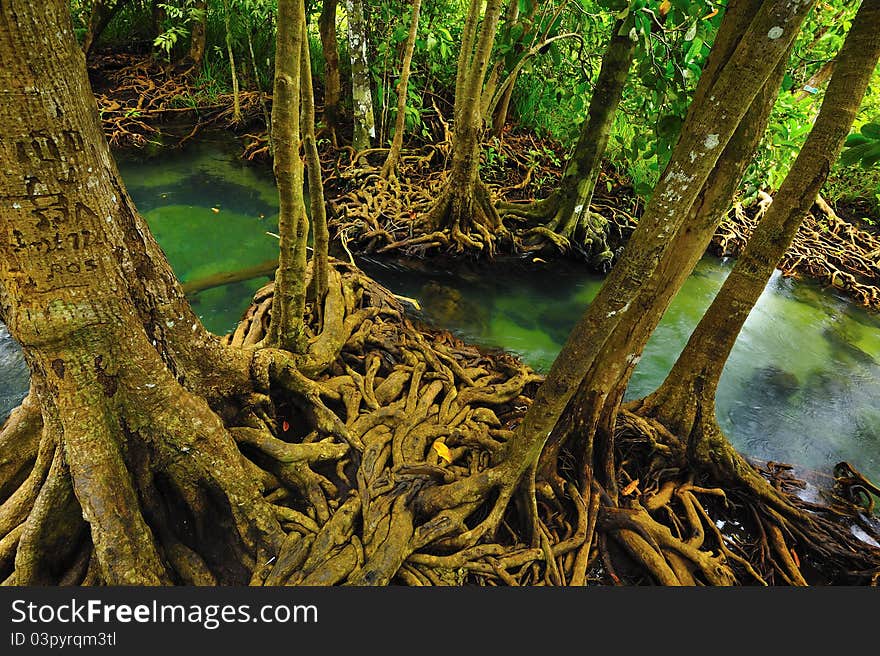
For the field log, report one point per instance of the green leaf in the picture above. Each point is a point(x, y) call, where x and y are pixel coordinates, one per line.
point(871, 130)
point(691, 33)
point(852, 155)
point(870, 158)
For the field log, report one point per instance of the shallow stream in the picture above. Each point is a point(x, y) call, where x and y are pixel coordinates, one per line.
point(802, 384)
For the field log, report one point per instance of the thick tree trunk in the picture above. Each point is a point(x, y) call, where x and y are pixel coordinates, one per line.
point(464, 205)
point(332, 86)
point(288, 305)
point(118, 361)
point(389, 169)
point(362, 98)
point(316, 184)
point(685, 402)
point(198, 34)
point(711, 122)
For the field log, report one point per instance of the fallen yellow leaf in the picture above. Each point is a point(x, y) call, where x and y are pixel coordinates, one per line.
point(442, 450)
point(665, 6)
point(215, 210)
point(630, 488)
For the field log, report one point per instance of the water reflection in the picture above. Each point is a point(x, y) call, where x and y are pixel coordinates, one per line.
point(801, 384)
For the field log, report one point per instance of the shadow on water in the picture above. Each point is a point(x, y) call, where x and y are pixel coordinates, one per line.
point(801, 384)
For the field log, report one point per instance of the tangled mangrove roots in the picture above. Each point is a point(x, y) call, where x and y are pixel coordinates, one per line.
point(381, 456)
point(826, 248)
point(385, 216)
point(685, 522)
point(421, 408)
point(138, 95)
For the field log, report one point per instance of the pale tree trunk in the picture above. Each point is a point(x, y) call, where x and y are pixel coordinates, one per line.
point(118, 361)
point(288, 304)
point(197, 35)
point(468, 36)
point(689, 244)
point(464, 207)
point(685, 402)
point(316, 185)
point(566, 212)
point(362, 98)
point(510, 16)
point(389, 169)
point(236, 100)
point(708, 128)
point(332, 86)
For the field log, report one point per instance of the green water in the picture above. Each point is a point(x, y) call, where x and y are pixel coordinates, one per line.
point(802, 384)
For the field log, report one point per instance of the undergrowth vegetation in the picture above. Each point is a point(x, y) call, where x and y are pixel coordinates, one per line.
point(552, 49)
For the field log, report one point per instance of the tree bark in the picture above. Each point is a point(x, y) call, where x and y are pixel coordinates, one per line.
point(320, 264)
point(158, 16)
point(362, 98)
point(712, 120)
point(236, 99)
point(389, 169)
point(332, 86)
point(464, 205)
point(685, 402)
point(100, 17)
point(119, 364)
point(288, 304)
point(198, 34)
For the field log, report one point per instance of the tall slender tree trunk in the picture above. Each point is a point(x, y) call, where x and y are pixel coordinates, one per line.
point(690, 243)
point(362, 98)
point(708, 128)
point(566, 212)
point(158, 16)
point(288, 304)
point(198, 34)
point(510, 16)
point(389, 169)
point(332, 86)
point(316, 185)
point(464, 206)
point(121, 368)
point(236, 97)
point(685, 402)
point(102, 13)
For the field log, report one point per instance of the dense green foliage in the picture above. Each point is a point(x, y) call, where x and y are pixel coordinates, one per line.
point(554, 82)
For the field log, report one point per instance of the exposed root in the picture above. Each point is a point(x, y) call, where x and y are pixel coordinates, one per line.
point(826, 248)
point(418, 212)
point(390, 465)
point(139, 95)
